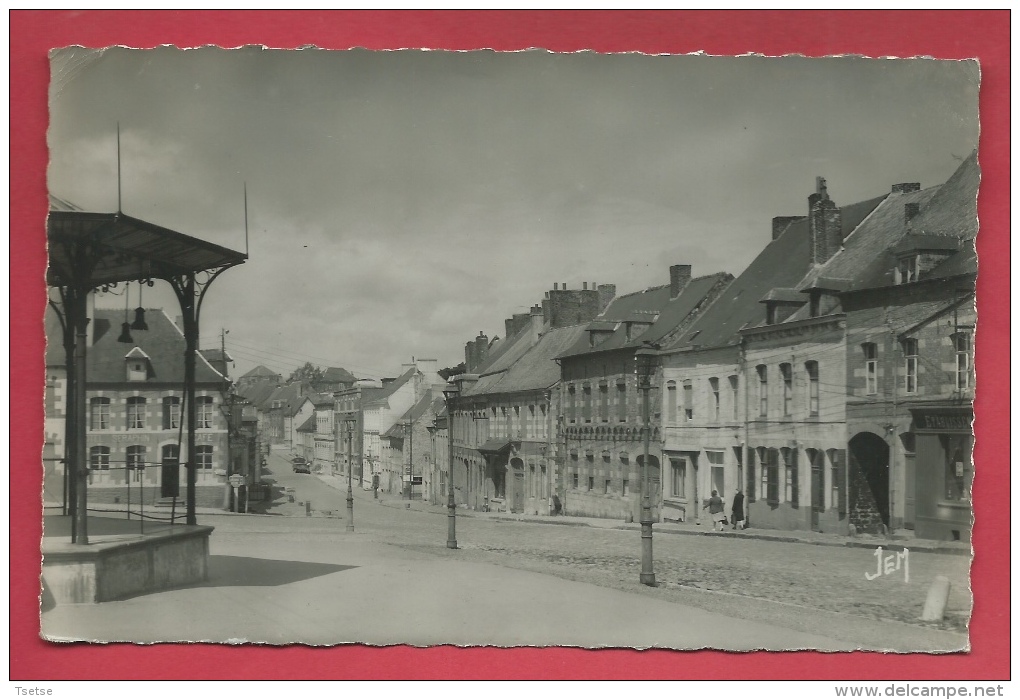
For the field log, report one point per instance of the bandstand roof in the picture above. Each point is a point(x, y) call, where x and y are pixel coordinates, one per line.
point(126, 249)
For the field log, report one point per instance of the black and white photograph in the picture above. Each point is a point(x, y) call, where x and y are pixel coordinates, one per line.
point(510, 349)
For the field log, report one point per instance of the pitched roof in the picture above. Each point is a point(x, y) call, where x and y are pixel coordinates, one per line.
point(163, 343)
point(258, 392)
point(216, 355)
point(412, 414)
point(536, 369)
point(338, 374)
point(953, 211)
point(864, 253)
point(388, 390)
point(652, 306)
point(308, 426)
point(783, 262)
point(259, 371)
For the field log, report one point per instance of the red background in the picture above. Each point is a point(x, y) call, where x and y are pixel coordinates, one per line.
point(958, 34)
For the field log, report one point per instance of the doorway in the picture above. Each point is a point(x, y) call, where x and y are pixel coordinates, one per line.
point(517, 492)
point(869, 482)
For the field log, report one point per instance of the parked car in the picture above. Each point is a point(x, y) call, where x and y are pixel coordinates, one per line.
point(300, 465)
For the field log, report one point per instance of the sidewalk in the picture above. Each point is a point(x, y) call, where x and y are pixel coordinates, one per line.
point(892, 543)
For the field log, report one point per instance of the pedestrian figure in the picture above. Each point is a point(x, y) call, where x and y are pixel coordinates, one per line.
point(717, 510)
point(738, 510)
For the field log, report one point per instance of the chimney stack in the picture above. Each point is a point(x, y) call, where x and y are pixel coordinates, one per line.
point(584, 286)
point(825, 224)
point(679, 277)
point(906, 187)
point(556, 285)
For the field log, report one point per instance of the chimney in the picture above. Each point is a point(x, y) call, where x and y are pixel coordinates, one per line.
point(481, 350)
point(906, 187)
point(679, 276)
point(556, 285)
point(428, 367)
point(584, 286)
point(564, 286)
point(606, 294)
point(825, 224)
point(910, 210)
point(537, 323)
point(779, 224)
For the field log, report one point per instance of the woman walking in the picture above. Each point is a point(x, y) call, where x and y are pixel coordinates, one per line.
point(717, 510)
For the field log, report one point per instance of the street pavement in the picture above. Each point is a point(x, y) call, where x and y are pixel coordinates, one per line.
point(290, 577)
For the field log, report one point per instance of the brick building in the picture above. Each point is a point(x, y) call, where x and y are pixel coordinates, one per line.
point(134, 431)
point(602, 428)
point(729, 414)
point(910, 383)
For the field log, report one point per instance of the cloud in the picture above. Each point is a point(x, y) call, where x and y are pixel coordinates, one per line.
point(398, 202)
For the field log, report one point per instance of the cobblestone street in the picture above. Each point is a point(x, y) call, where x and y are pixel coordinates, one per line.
point(803, 586)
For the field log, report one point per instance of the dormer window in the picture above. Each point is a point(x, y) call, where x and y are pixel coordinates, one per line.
point(909, 269)
point(137, 365)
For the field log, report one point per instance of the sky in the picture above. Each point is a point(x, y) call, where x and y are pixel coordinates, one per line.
point(401, 201)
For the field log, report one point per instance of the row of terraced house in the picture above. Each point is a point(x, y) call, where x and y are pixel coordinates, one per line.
point(831, 382)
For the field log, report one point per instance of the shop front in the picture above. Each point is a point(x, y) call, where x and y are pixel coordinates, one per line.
point(944, 472)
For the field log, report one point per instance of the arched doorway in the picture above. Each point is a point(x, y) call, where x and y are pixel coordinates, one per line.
point(869, 482)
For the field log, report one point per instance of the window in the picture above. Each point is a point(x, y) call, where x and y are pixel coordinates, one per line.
point(591, 483)
point(961, 342)
point(717, 470)
point(171, 412)
point(203, 456)
point(909, 269)
point(910, 365)
point(837, 458)
point(959, 471)
point(671, 402)
point(812, 373)
point(678, 477)
point(786, 370)
point(135, 461)
point(99, 458)
point(99, 413)
point(586, 405)
point(791, 491)
point(135, 412)
point(604, 402)
point(545, 424)
point(544, 493)
point(688, 401)
point(734, 401)
point(204, 408)
point(870, 368)
point(574, 476)
point(531, 481)
point(621, 400)
point(626, 487)
point(713, 383)
point(763, 390)
point(572, 404)
point(608, 481)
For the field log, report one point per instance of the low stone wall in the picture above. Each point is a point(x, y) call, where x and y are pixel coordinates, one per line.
point(127, 565)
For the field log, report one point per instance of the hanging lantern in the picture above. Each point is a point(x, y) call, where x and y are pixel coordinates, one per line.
point(140, 324)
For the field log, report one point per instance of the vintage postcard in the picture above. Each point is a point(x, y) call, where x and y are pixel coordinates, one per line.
point(510, 349)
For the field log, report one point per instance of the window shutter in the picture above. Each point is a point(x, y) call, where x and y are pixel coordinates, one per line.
point(841, 475)
point(795, 480)
point(750, 475)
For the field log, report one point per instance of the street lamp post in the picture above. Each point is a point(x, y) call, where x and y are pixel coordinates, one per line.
point(450, 392)
point(350, 470)
point(644, 360)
